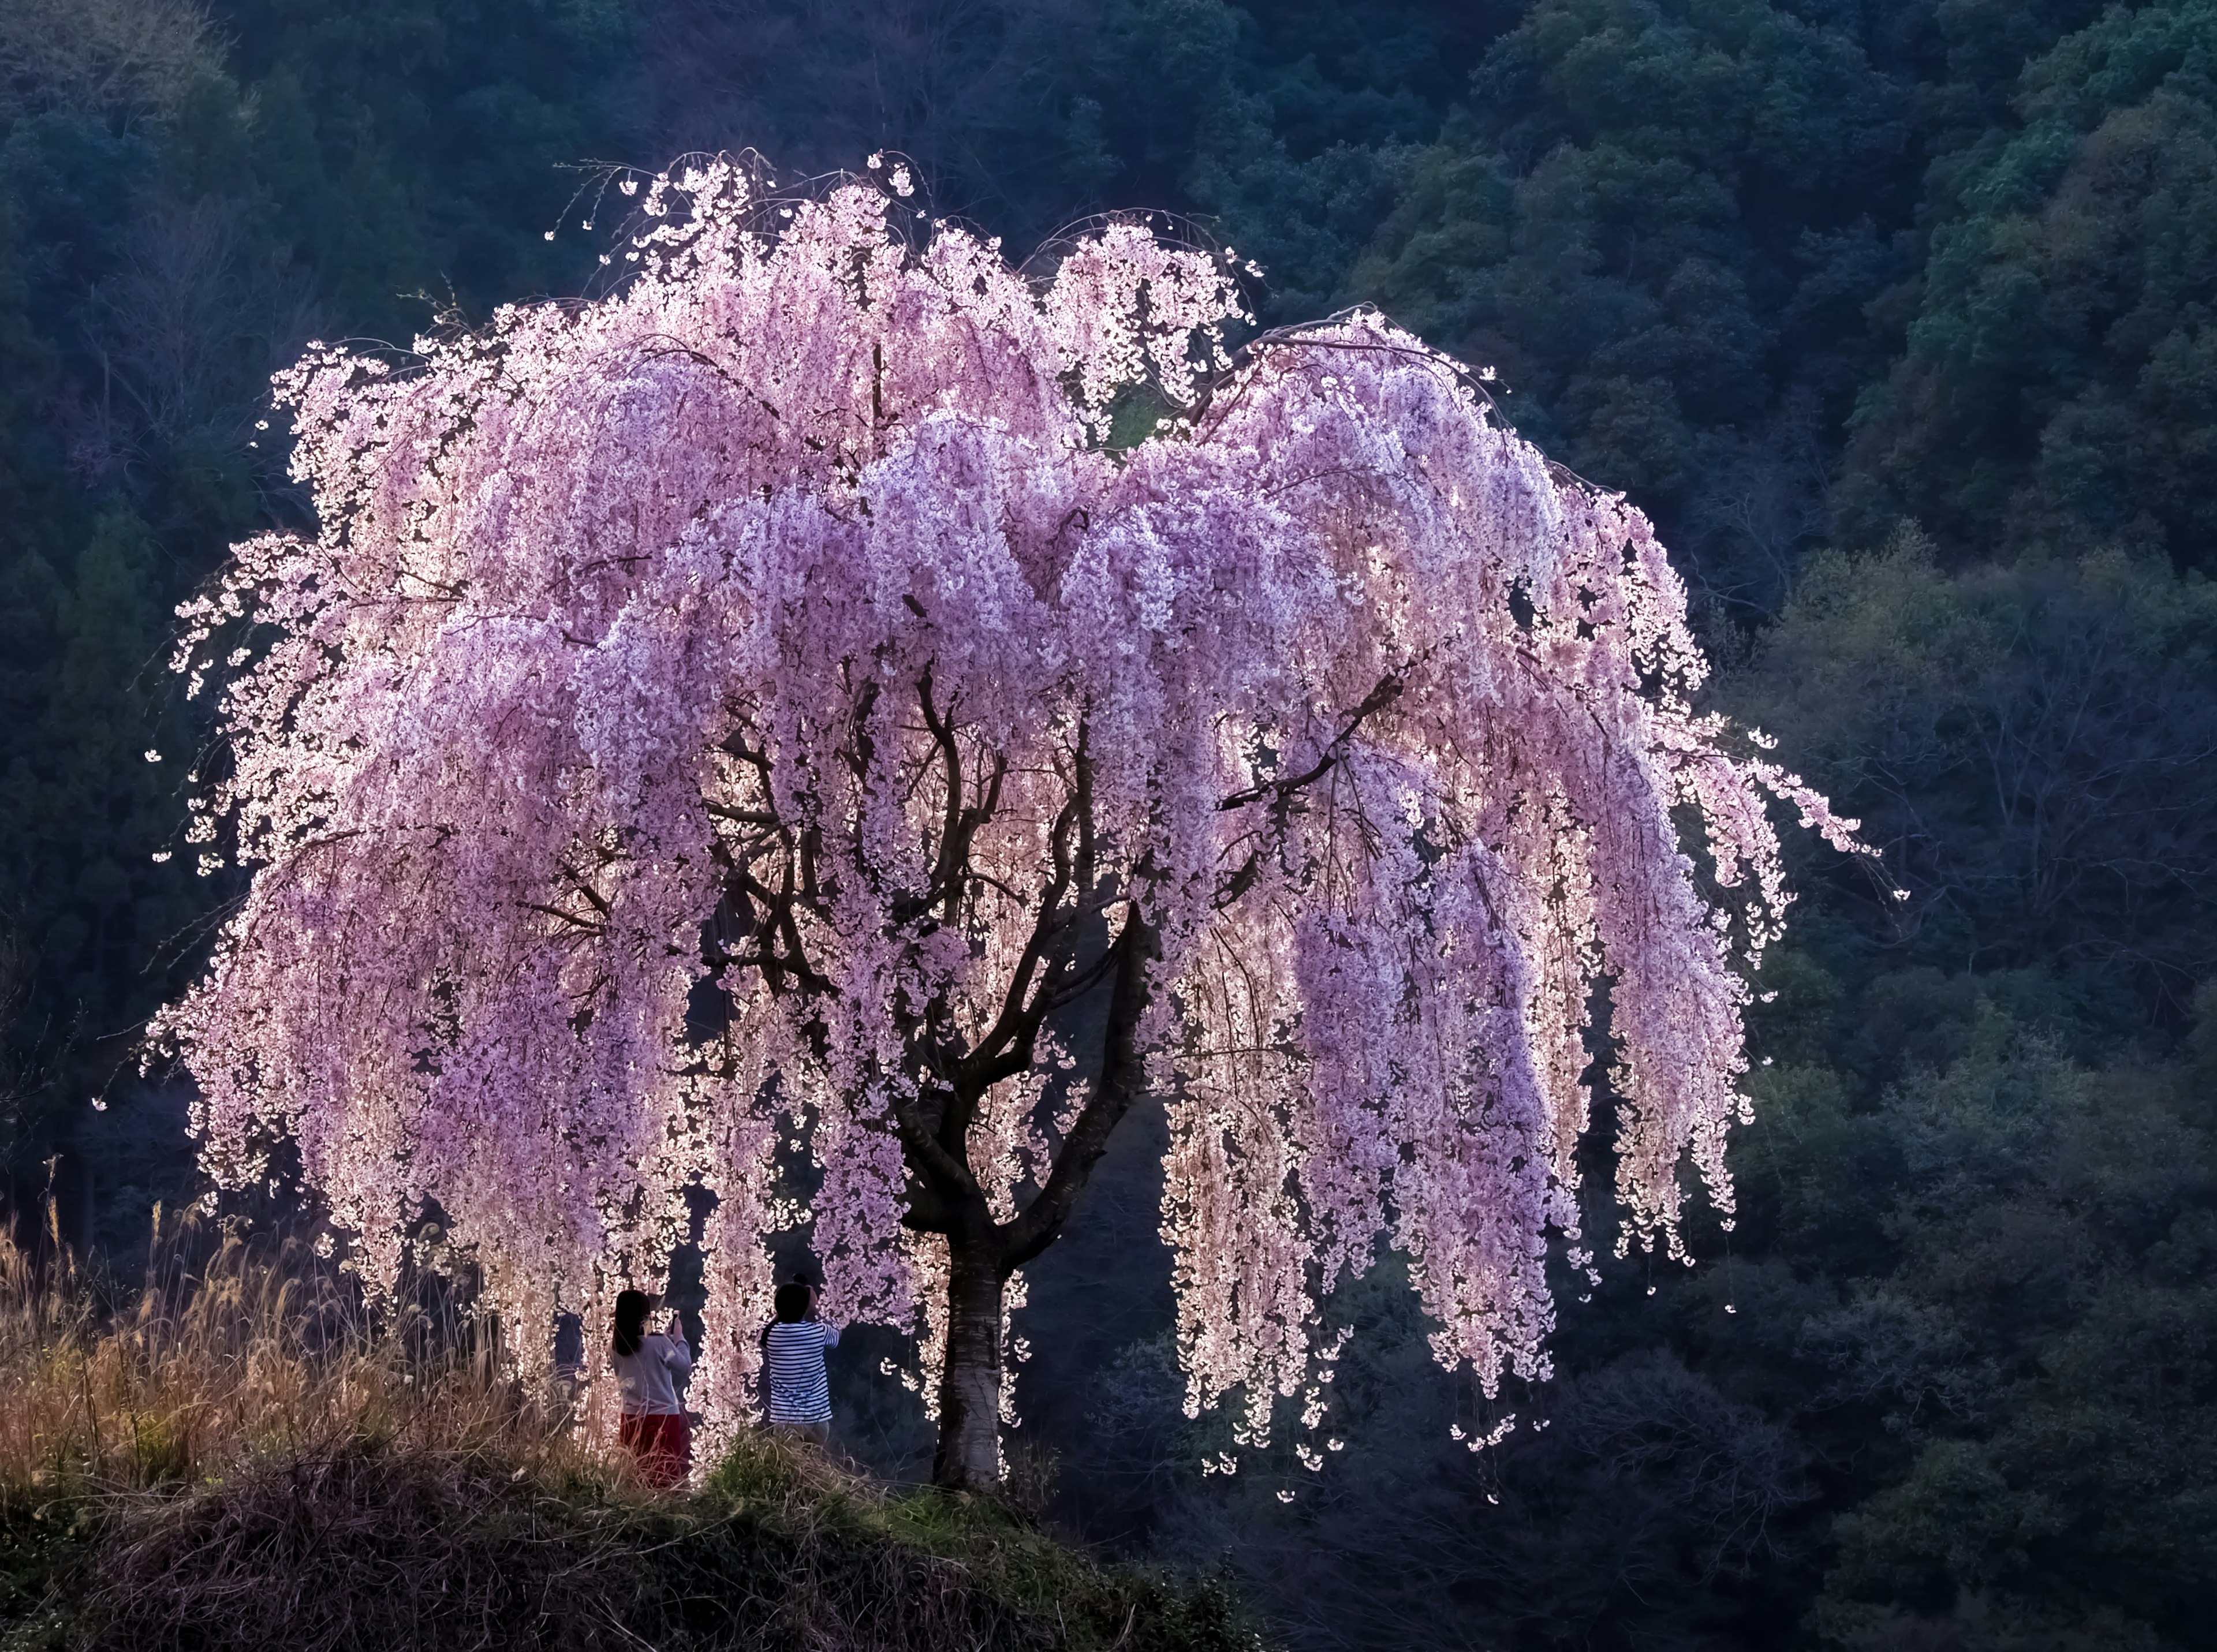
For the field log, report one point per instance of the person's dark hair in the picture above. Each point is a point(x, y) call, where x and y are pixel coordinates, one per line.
point(793, 1301)
point(631, 1323)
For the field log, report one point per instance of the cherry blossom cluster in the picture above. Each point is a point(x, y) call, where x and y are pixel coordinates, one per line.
point(701, 710)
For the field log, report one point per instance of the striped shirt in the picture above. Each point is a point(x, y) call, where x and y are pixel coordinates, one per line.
point(793, 1354)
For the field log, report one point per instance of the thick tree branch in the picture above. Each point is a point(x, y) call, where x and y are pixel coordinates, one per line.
point(929, 1159)
point(1114, 1088)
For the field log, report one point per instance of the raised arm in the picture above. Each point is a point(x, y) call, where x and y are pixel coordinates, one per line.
point(678, 1356)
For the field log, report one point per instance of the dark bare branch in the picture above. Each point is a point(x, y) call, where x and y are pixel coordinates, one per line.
point(1387, 691)
point(1116, 1087)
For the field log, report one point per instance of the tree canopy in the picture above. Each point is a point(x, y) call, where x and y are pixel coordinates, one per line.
point(792, 591)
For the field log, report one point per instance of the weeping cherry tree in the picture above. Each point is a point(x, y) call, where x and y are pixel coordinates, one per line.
point(757, 715)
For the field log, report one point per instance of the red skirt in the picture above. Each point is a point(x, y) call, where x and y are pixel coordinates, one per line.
point(662, 1444)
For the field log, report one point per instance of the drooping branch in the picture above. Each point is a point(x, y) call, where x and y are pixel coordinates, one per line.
point(1278, 791)
point(1280, 794)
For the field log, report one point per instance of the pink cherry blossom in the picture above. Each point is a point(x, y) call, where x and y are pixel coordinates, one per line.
point(758, 714)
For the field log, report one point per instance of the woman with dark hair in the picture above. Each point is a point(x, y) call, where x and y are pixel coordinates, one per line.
point(647, 1366)
point(793, 1359)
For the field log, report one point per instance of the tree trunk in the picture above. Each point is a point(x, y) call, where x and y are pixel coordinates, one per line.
point(969, 1456)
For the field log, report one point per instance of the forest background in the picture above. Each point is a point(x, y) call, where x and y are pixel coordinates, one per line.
point(1899, 316)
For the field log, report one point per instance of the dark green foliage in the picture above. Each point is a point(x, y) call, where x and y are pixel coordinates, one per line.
point(2031, 746)
point(85, 693)
point(2011, 1357)
point(2059, 383)
point(1897, 316)
point(417, 153)
point(1650, 1501)
point(1659, 222)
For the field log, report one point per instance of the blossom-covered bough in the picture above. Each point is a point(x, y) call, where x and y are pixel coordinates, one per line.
point(758, 716)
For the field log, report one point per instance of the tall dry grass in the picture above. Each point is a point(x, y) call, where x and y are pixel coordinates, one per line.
point(237, 1450)
point(228, 1355)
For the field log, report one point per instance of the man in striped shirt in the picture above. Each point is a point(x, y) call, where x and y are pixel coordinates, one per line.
point(793, 1361)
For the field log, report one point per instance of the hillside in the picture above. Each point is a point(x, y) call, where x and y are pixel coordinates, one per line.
point(379, 1546)
point(242, 1453)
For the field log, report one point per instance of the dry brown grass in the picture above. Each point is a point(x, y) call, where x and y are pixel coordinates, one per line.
point(229, 1355)
point(237, 1454)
